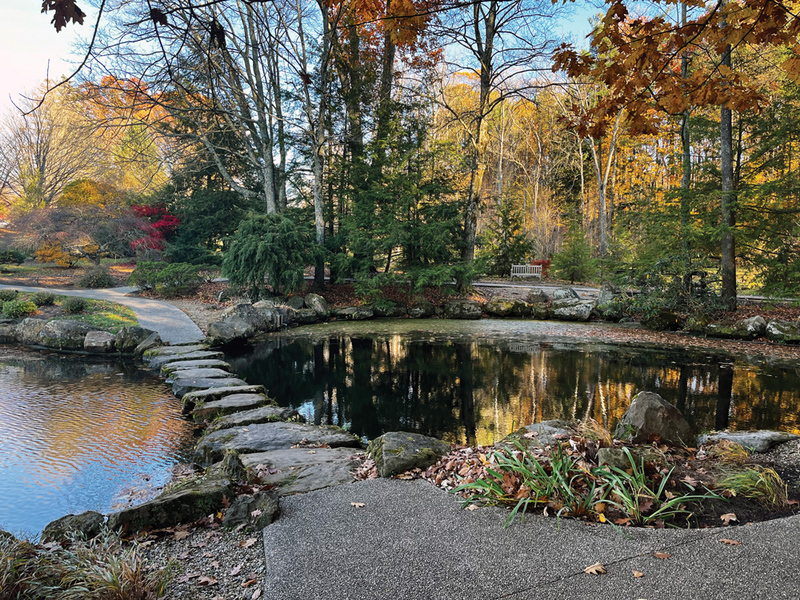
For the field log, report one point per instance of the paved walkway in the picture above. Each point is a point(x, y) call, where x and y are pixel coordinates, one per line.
point(411, 541)
point(170, 322)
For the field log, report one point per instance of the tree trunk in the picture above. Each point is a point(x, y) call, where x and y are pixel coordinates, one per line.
point(728, 214)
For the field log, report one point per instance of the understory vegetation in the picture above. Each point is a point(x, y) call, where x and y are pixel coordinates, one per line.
point(103, 314)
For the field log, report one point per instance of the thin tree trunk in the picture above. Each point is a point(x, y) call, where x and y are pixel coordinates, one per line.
point(728, 214)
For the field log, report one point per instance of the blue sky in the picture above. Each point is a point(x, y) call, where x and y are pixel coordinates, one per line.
point(28, 43)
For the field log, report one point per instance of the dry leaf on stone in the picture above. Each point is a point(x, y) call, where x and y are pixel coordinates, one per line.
point(661, 555)
point(256, 594)
point(358, 504)
point(472, 507)
point(638, 574)
point(729, 542)
point(248, 543)
point(249, 582)
point(727, 518)
point(207, 581)
point(235, 570)
point(595, 569)
point(181, 535)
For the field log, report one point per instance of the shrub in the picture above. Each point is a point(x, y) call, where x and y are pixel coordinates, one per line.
point(574, 262)
point(15, 309)
point(74, 305)
point(178, 279)
point(11, 257)
point(145, 274)
point(96, 277)
point(44, 298)
point(6, 295)
point(53, 252)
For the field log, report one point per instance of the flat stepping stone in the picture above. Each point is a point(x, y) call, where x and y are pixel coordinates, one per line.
point(204, 396)
point(183, 365)
point(183, 386)
point(269, 436)
point(230, 404)
point(300, 470)
point(211, 373)
point(263, 414)
point(174, 350)
point(159, 361)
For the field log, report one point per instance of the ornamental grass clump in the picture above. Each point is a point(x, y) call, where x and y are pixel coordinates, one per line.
point(762, 484)
point(44, 298)
point(74, 305)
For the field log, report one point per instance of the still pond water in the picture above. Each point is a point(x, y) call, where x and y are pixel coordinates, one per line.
point(476, 382)
point(79, 434)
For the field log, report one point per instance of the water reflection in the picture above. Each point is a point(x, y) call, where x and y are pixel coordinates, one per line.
point(80, 434)
point(477, 391)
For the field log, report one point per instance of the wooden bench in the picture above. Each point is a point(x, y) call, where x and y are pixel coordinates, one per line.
point(526, 271)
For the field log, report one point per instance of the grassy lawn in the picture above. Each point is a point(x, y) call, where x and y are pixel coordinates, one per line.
point(106, 315)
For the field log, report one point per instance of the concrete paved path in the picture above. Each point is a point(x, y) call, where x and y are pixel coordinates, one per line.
point(411, 541)
point(170, 322)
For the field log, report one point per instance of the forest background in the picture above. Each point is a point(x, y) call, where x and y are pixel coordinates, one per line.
point(420, 140)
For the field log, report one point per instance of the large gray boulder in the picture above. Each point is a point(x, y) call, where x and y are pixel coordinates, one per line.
point(462, 309)
point(544, 433)
point(151, 342)
point(295, 302)
point(249, 314)
point(537, 297)
point(99, 342)
point(650, 415)
point(269, 436)
point(253, 512)
point(353, 313)
point(778, 330)
point(28, 330)
point(507, 307)
point(87, 525)
point(755, 441)
point(64, 335)
point(306, 316)
point(392, 311)
point(422, 310)
point(184, 385)
point(131, 336)
point(300, 470)
point(319, 305)
point(230, 330)
point(565, 293)
point(399, 451)
point(571, 309)
point(186, 502)
point(8, 333)
point(746, 329)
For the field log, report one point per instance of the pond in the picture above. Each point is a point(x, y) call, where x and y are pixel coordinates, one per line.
point(475, 382)
point(81, 434)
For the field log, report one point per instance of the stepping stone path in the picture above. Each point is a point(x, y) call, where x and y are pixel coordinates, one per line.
point(293, 456)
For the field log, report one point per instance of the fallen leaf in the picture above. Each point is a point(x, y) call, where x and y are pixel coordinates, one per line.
point(249, 582)
point(235, 570)
point(595, 569)
point(256, 594)
point(729, 542)
point(727, 518)
point(661, 555)
point(358, 504)
point(638, 574)
point(248, 543)
point(622, 521)
point(690, 481)
point(793, 502)
point(207, 581)
point(472, 507)
point(256, 513)
point(181, 535)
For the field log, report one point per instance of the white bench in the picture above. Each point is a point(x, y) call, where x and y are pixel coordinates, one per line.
point(526, 271)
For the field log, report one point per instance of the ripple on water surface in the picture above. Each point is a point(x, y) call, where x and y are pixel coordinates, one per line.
point(80, 434)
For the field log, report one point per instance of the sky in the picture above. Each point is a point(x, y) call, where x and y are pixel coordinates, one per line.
point(29, 45)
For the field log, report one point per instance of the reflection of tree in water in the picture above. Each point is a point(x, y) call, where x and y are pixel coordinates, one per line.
point(478, 392)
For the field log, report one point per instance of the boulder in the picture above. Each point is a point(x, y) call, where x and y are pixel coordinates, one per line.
point(754, 441)
point(253, 416)
point(99, 341)
point(399, 451)
point(274, 316)
point(159, 361)
point(87, 525)
point(462, 309)
point(233, 329)
point(422, 310)
point(299, 470)
point(188, 501)
point(185, 365)
point(318, 304)
point(229, 404)
point(8, 333)
point(617, 457)
point(650, 415)
point(353, 313)
point(306, 316)
point(539, 311)
point(571, 309)
point(131, 336)
point(295, 302)
point(252, 512)
point(247, 313)
point(202, 396)
point(537, 297)
point(607, 294)
point(778, 330)
point(606, 307)
point(184, 385)
point(28, 331)
point(210, 372)
point(64, 335)
point(392, 311)
point(543, 433)
point(151, 342)
point(746, 329)
point(507, 307)
point(269, 436)
point(565, 293)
